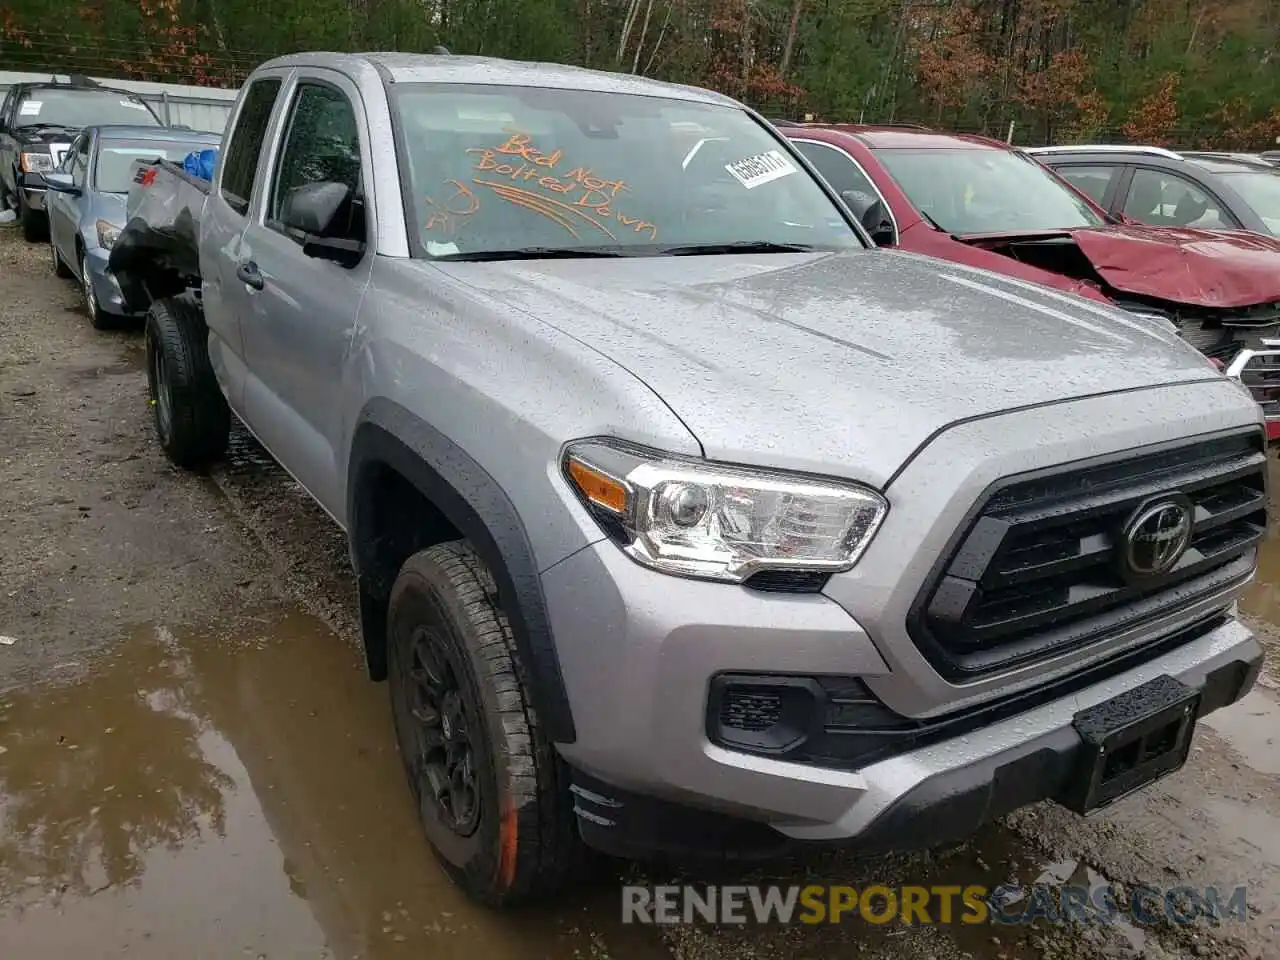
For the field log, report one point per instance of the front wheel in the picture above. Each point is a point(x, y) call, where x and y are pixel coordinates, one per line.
point(192, 419)
point(59, 268)
point(490, 790)
point(100, 319)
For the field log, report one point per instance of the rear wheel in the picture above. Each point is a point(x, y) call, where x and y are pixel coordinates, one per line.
point(490, 790)
point(192, 419)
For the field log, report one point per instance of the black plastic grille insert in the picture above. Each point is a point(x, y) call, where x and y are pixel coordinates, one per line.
point(1035, 571)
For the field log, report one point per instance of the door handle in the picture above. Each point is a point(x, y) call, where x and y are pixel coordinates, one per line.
point(249, 274)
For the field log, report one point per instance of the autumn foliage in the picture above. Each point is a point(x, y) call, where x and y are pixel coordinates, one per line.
point(1186, 72)
point(1154, 117)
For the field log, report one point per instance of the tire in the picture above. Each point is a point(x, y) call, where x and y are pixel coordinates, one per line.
point(457, 683)
point(60, 269)
point(35, 226)
point(99, 319)
point(192, 419)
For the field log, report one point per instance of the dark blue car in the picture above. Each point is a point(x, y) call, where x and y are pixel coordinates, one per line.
point(86, 203)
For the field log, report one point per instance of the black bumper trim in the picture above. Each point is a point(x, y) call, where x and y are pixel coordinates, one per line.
point(942, 809)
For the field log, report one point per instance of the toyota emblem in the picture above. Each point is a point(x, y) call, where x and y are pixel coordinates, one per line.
point(1156, 536)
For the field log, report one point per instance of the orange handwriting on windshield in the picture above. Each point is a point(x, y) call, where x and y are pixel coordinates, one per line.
point(521, 145)
point(520, 161)
point(458, 205)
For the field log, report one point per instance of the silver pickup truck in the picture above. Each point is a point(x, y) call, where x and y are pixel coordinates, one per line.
point(683, 520)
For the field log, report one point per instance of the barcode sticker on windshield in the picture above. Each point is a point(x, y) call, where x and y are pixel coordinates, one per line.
point(764, 168)
point(132, 103)
point(30, 108)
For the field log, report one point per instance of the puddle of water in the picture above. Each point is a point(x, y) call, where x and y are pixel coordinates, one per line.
point(1252, 822)
point(239, 794)
point(1252, 727)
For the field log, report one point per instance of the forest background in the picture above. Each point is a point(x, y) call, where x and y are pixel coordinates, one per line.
point(1187, 73)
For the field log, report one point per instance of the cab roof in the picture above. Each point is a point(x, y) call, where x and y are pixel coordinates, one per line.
point(466, 70)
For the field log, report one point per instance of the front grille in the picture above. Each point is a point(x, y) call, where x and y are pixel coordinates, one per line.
point(1261, 376)
point(1036, 570)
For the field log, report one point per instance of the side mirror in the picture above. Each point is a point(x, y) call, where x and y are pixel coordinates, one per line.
point(314, 210)
point(313, 207)
point(877, 222)
point(54, 180)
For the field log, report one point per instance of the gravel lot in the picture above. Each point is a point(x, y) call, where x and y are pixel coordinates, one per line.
point(192, 763)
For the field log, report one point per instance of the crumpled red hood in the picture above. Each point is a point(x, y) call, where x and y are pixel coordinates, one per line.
point(1203, 268)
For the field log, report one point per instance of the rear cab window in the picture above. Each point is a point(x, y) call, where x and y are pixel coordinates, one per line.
point(498, 169)
point(240, 165)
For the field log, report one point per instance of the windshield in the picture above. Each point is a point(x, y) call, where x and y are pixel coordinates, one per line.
point(500, 169)
point(980, 190)
point(1261, 191)
point(81, 108)
point(116, 157)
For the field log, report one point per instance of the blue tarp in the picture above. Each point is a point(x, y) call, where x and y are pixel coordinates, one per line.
point(200, 163)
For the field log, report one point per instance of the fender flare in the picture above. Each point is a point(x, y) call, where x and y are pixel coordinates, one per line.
point(389, 436)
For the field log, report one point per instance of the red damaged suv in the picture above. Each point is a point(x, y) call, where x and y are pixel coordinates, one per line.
point(979, 202)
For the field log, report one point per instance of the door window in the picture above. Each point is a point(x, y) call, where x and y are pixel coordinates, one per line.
point(845, 176)
point(1092, 181)
point(1169, 200)
point(78, 161)
point(836, 167)
point(240, 165)
point(322, 145)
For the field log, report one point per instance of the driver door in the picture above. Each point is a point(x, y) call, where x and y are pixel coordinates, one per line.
point(302, 309)
point(63, 209)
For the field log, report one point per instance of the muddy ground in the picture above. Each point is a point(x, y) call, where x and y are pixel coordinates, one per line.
point(192, 764)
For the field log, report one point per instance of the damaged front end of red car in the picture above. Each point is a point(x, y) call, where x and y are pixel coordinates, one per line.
point(1221, 290)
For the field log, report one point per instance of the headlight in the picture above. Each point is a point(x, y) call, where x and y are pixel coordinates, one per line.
point(36, 163)
point(108, 234)
point(719, 522)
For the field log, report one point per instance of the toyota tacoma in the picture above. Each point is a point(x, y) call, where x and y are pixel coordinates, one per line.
point(683, 519)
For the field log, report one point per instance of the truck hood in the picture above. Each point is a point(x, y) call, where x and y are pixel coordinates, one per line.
point(834, 363)
point(1200, 268)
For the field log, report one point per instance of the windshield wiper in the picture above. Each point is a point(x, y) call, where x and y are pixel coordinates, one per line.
point(41, 126)
point(533, 253)
point(739, 246)
point(932, 222)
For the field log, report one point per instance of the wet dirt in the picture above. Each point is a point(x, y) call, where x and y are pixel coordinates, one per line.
point(192, 763)
point(235, 791)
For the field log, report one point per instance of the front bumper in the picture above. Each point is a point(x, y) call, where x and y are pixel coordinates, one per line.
point(105, 287)
point(639, 652)
point(648, 780)
point(33, 199)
